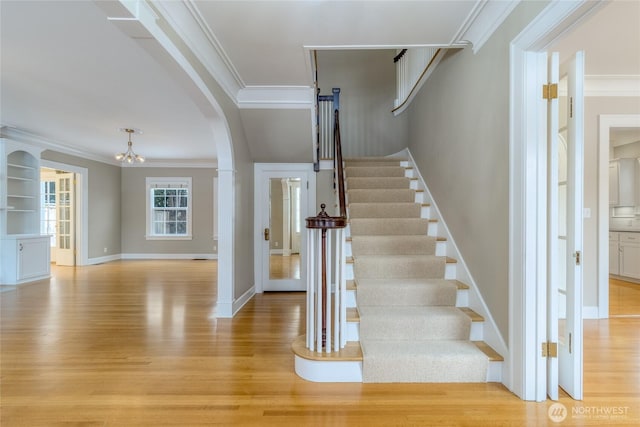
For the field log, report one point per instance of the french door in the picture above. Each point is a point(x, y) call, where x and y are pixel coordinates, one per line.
point(566, 206)
point(65, 219)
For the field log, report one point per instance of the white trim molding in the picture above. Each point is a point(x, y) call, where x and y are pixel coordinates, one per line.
point(290, 97)
point(605, 123)
point(168, 256)
point(528, 194)
point(484, 21)
point(612, 85)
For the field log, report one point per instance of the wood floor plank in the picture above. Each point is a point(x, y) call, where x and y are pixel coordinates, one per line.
point(137, 343)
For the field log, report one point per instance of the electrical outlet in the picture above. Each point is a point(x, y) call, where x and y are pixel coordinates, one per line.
point(105, 250)
point(215, 248)
point(276, 244)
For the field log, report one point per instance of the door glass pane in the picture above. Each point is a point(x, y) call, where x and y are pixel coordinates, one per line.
point(284, 225)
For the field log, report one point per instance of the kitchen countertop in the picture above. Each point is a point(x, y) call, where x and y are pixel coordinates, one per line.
point(625, 230)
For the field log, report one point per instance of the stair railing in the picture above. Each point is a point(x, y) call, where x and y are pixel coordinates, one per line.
point(412, 67)
point(326, 264)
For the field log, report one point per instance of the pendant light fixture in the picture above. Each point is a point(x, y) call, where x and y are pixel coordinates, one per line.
point(129, 157)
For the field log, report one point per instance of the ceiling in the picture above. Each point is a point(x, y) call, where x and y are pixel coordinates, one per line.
point(72, 78)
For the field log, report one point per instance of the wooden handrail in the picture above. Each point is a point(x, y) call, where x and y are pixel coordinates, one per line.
point(339, 166)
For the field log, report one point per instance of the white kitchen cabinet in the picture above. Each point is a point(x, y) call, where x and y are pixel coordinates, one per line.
point(614, 253)
point(622, 182)
point(24, 259)
point(630, 255)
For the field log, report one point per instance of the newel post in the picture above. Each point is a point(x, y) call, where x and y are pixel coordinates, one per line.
point(324, 222)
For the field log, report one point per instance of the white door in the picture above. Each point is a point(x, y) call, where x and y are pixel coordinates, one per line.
point(282, 203)
point(65, 218)
point(553, 260)
point(570, 229)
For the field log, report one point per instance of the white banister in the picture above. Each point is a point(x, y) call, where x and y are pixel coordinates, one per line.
point(326, 304)
point(412, 66)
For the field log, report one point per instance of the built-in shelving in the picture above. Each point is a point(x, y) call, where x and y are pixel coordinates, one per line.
point(25, 252)
point(22, 193)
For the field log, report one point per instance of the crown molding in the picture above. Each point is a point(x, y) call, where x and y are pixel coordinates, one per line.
point(483, 21)
point(43, 143)
point(179, 163)
point(189, 25)
point(612, 85)
point(270, 97)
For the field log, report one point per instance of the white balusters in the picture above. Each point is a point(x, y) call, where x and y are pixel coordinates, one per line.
point(335, 311)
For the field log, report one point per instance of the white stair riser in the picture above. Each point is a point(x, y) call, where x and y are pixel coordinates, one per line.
point(328, 372)
point(450, 271)
point(433, 229)
point(353, 331)
point(351, 299)
point(476, 331)
point(462, 298)
point(494, 372)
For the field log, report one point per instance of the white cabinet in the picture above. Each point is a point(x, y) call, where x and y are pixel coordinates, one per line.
point(623, 182)
point(24, 258)
point(630, 255)
point(25, 254)
point(614, 253)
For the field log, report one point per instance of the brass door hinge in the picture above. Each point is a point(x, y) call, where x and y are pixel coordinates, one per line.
point(549, 349)
point(577, 257)
point(550, 91)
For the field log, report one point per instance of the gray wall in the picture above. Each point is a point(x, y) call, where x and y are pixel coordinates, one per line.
point(134, 196)
point(459, 137)
point(366, 79)
point(103, 203)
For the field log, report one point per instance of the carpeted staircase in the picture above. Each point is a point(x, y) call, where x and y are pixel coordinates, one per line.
point(410, 327)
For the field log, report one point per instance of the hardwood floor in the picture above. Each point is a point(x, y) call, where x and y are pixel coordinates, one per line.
point(624, 298)
point(284, 267)
point(137, 343)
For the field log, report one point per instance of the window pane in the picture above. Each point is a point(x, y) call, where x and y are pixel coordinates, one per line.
point(168, 211)
point(158, 228)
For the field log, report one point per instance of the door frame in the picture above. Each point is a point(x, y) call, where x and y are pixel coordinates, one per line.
point(82, 207)
point(605, 123)
point(525, 368)
point(261, 170)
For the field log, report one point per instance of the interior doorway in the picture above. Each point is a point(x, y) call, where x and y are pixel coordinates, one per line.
point(284, 195)
point(619, 136)
point(57, 214)
point(75, 209)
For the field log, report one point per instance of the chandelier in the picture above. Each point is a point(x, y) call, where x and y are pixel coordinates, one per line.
point(129, 156)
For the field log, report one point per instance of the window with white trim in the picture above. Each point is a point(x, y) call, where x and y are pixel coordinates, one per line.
point(169, 201)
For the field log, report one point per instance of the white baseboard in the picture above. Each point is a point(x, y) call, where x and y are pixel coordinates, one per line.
point(243, 299)
point(590, 312)
point(102, 259)
point(275, 251)
point(169, 256)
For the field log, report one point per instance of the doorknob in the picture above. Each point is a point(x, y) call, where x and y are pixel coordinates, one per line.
point(266, 234)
